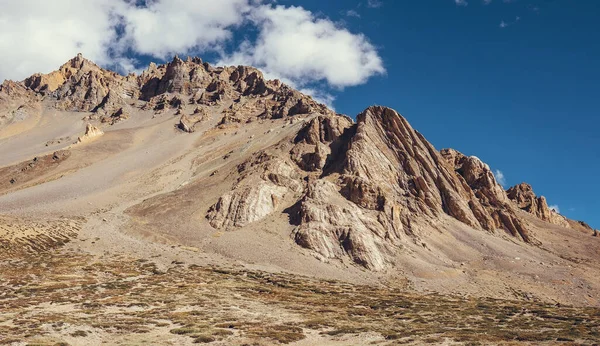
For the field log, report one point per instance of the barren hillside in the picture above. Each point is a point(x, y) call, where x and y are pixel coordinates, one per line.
point(234, 193)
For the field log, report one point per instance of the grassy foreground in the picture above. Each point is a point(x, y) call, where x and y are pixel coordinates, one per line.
point(60, 297)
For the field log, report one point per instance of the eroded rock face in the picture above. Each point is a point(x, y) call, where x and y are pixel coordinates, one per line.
point(16, 102)
point(81, 85)
point(318, 140)
point(264, 180)
point(353, 191)
point(367, 187)
point(525, 199)
point(334, 227)
point(490, 203)
point(246, 204)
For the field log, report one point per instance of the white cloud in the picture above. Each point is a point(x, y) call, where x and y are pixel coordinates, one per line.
point(39, 36)
point(320, 96)
point(374, 3)
point(504, 24)
point(500, 178)
point(293, 44)
point(352, 13)
point(461, 2)
point(296, 46)
point(165, 28)
point(555, 208)
point(487, 2)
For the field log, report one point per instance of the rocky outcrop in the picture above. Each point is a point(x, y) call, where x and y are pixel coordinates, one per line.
point(263, 182)
point(86, 87)
point(81, 85)
point(16, 102)
point(524, 197)
point(318, 140)
point(386, 152)
point(494, 210)
point(334, 227)
point(245, 204)
point(91, 133)
point(117, 117)
point(187, 123)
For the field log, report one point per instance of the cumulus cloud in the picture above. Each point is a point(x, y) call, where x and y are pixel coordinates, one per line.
point(291, 43)
point(165, 28)
point(39, 36)
point(555, 208)
point(296, 46)
point(500, 178)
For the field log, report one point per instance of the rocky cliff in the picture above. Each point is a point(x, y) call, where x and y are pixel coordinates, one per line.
point(367, 187)
point(524, 197)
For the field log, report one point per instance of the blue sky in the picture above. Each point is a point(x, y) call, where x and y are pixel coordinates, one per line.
point(525, 98)
point(514, 82)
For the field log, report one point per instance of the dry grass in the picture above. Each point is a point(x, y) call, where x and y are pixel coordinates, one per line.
point(50, 293)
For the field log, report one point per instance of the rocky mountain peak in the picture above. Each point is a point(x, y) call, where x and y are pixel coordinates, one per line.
point(81, 85)
point(524, 197)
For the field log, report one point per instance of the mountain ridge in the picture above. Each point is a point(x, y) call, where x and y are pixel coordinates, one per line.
point(352, 189)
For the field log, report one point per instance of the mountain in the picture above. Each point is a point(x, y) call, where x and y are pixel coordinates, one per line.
point(227, 167)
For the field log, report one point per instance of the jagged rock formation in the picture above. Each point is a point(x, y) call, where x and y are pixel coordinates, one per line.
point(81, 85)
point(525, 199)
point(496, 211)
point(17, 102)
point(116, 117)
point(188, 123)
point(371, 185)
point(91, 133)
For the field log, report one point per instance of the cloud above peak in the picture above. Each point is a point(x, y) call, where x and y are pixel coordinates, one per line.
point(287, 42)
point(167, 27)
point(296, 46)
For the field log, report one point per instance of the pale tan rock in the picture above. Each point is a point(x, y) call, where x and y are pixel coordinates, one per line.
point(488, 200)
point(188, 123)
point(91, 133)
point(335, 227)
point(246, 204)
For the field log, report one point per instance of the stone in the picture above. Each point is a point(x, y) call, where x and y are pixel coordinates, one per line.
point(91, 133)
point(245, 204)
